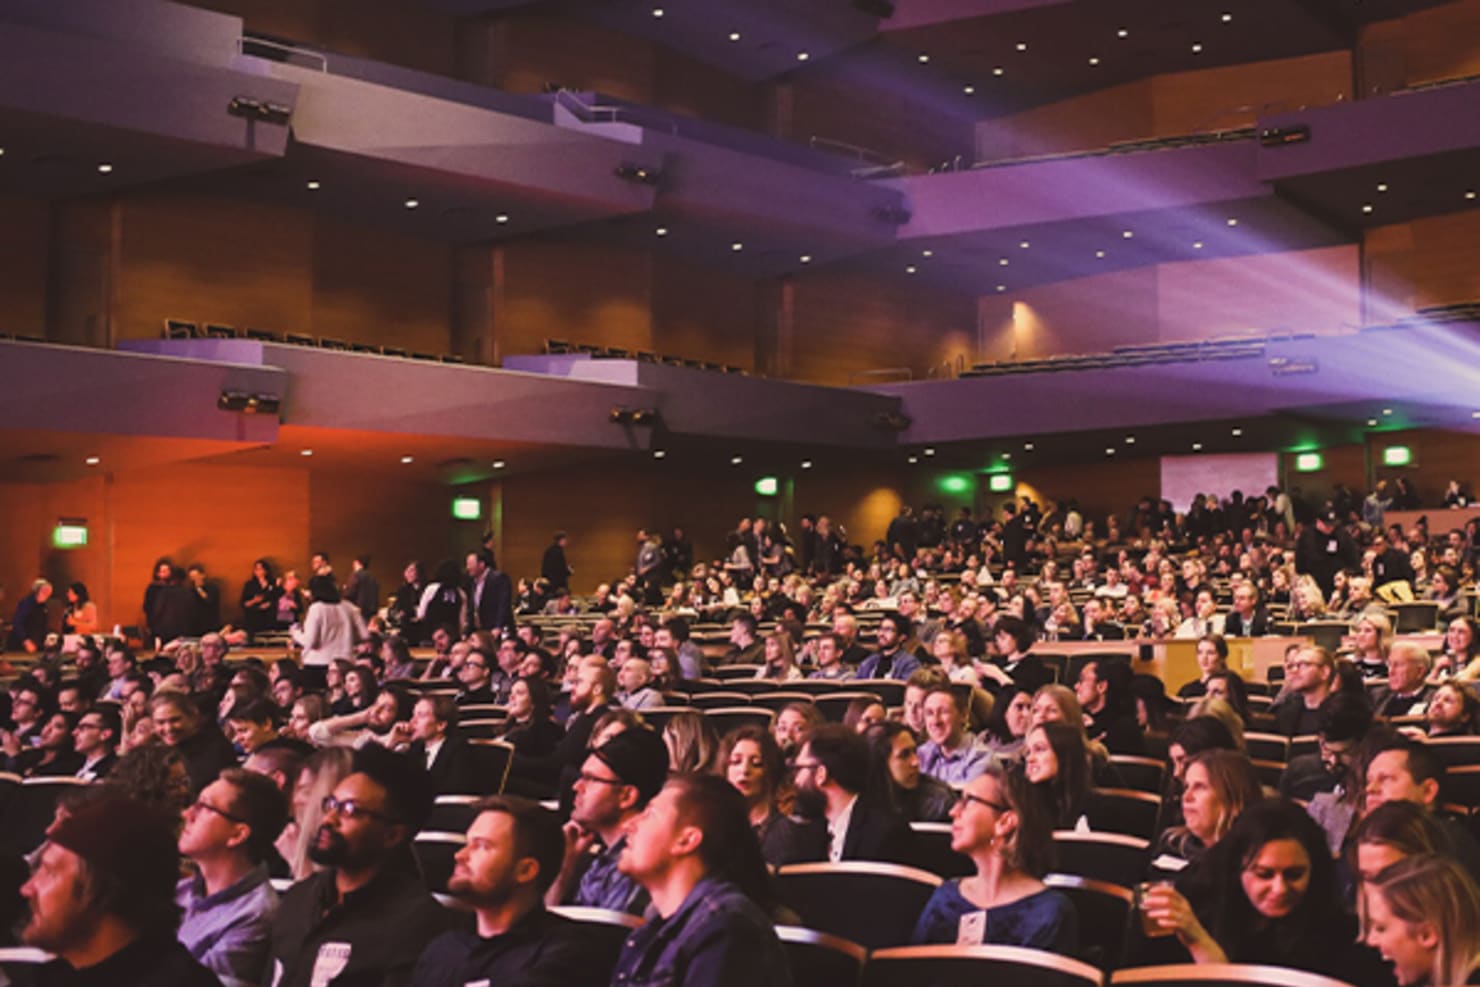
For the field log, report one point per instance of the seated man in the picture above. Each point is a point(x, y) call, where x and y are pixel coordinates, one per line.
point(513, 852)
point(891, 661)
point(102, 899)
point(435, 743)
point(96, 741)
point(635, 678)
point(333, 926)
point(1345, 720)
point(229, 904)
point(952, 754)
point(252, 724)
point(831, 774)
point(614, 786)
point(695, 854)
point(827, 649)
point(1407, 692)
point(476, 681)
point(1405, 770)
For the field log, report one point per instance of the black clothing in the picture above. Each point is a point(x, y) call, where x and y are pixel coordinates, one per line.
point(155, 961)
point(554, 568)
point(1294, 719)
point(1386, 702)
point(444, 609)
point(363, 590)
point(535, 738)
point(403, 613)
point(1015, 542)
point(28, 764)
point(1306, 776)
point(785, 840)
point(206, 753)
point(206, 614)
point(1391, 566)
point(1321, 555)
point(492, 607)
point(563, 764)
point(1029, 672)
point(453, 770)
point(539, 950)
point(878, 834)
point(1120, 734)
point(175, 612)
point(374, 936)
point(1257, 626)
point(259, 605)
point(476, 697)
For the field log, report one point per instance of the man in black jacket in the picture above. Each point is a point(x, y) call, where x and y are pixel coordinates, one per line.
point(366, 917)
point(1323, 549)
point(554, 568)
point(1248, 618)
point(436, 745)
point(831, 773)
point(490, 594)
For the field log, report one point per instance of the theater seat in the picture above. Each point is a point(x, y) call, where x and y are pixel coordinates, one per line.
point(719, 700)
point(873, 904)
point(1267, 746)
point(434, 851)
point(1420, 617)
point(933, 851)
point(820, 960)
point(605, 930)
point(1144, 774)
point(1121, 810)
point(730, 718)
point(30, 809)
point(776, 701)
point(452, 813)
point(1107, 857)
point(1455, 751)
point(492, 760)
point(973, 966)
point(1219, 975)
point(834, 707)
point(1104, 911)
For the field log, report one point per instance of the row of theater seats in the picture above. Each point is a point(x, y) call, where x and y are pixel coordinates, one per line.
point(561, 347)
point(186, 329)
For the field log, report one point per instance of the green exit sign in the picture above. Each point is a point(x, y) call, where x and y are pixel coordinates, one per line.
point(69, 534)
point(1000, 483)
point(467, 508)
point(1397, 456)
point(1309, 462)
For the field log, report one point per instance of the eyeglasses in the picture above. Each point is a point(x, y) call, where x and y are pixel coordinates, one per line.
point(203, 804)
point(807, 765)
point(351, 809)
point(998, 806)
point(598, 780)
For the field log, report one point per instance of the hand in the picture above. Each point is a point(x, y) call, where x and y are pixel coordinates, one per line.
point(578, 841)
point(1164, 906)
point(400, 734)
point(9, 744)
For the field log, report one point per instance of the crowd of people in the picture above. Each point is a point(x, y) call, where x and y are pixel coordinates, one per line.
point(224, 764)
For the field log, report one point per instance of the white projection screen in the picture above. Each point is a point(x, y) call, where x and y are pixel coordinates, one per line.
point(1184, 476)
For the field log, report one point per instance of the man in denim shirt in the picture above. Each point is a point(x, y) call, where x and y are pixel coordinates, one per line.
point(229, 905)
point(616, 782)
point(694, 852)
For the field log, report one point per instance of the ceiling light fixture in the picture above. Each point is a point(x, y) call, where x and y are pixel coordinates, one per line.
point(501, 218)
point(1099, 255)
point(105, 168)
point(1237, 432)
point(407, 459)
point(1366, 207)
point(1470, 194)
point(412, 203)
point(1127, 235)
point(997, 70)
point(1022, 46)
point(929, 452)
point(657, 11)
point(969, 90)
point(806, 464)
point(1122, 33)
point(910, 270)
point(805, 258)
point(1232, 221)
point(1372, 423)
point(661, 231)
point(1387, 411)
point(1093, 60)
point(802, 56)
point(1197, 49)
point(305, 452)
point(927, 253)
point(1197, 245)
point(312, 185)
point(1197, 447)
point(1382, 186)
point(737, 246)
point(499, 464)
point(734, 36)
point(659, 453)
point(1227, 18)
point(1027, 447)
point(736, 460)
point(1001, 288)
point(1024, 245)
point(913, 460)
point(1109, 450)
point(92, 460)
point(1130, 440)
point(922, 58)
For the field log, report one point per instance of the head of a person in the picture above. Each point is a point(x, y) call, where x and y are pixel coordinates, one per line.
point(239, 814)
point(306, 711)
point(1310, 670)
point(111, 857)
point(373, 811)
point(794, 724)
point(618, 778)
point(530, 699)
point(513, 853)
point(97, 731)
point(753, 763)
point(1245, 598)
point(1212, 654)
point(1343, 720)
point(892, 631)
point(1404, 771)
point(1012, 715)
point(634, 674)
point(920, 682)
point(1373, 633)
point(595, 684)
point(863, 713)
point(176, 717)
point(474, 673)
point(944, 723)
point(691, 742)
point(1452, 709)
point(321, 589)
point(1012, 635)
point(894, 754)
point(1103, 685)
point(1216, 787)
point(252, 722)
point(431, 717)
point(1462, 638)
point(1408, 666)
point(1422, 914)
point(1057, 704)
point(833, 759)
point(1274, 865)
point(1392, 832)
point(1054, 754)
point(742, 630)
point(998, 813)
point(392, 705)
point(477, 563)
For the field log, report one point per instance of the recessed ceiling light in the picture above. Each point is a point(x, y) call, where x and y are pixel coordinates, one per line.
point(1027, 447)
point(805, 258)
point(661, 231)
point(499, 464)
point(312, 185)
point(802, 56)
point(1130, 440)
point(1366, 207)
point(104, 168)
point(1227, 18)
point(659, 453)
point(1001, 288)
point(737, 246)
point(997, 70)
point(1237, 432)
point(1469, 193)
point(2, 152)
point(92, 460)
point(910, 270)
point(1122, 33)
point(806, 464)
point(736, 460)
point(412, 203)
point(657, 11)
point(1475, 414)
point(1007, 455)
point(1094, 60)
point(929, 452)
point(969, 90)
point(1197, 245)
point(913, 460)
point(1127, 234)
point(1232, 221)
point(408, 459)
point(1197, 48)
point(1372, 423)
point(1003, 262)
point(927, 253)
point(305, 452)
point(734, 35)
point(1197, 447)
point(1387, 411)
point(501, 218)
point(1109, 450)
point(1099, 255)
point(1024, 245)
point(922, 58)
point(1382, 186)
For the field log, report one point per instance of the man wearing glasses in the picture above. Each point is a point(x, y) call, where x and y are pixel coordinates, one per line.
point(1310, 676)
point(96, 741)
point(366, 917)
point(228, 906)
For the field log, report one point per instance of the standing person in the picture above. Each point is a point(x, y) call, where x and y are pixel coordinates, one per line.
point(175, 613)
point(649, 566)
point(81, 614)
point(512, 855)
point(694, 853)
point(332, 628)
point(102, 899)
point(363, 590)
point(554, 568)
point(29, 625)
point(229, 904)
point(259, 599)
point(206, 597)
point(335, 925)
point(405, 608)
point(490, 594)
point(1323, 549)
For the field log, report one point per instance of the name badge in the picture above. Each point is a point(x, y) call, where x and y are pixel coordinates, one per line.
point(972, 929)
point(333, 957)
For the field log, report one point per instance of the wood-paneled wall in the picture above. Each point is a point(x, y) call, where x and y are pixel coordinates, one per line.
point(1434, 261)
point(1425, 46)
point(25, 233)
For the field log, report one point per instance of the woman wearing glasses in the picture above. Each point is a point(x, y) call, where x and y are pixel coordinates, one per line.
point(1000, 826)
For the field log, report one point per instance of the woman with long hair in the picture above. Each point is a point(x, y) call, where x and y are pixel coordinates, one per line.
point(321, 774)
point(1056, 762)
point(530, 727)
point(780, 663)
point(1008, 725)
point(259, 599)
point(1372, 635)
point(1423, 916)
point(751, 761)
point(1461, 649)
point(691, 742)
point(895, 775)
point(1212, 657)
point(1218, 784)
point(999, 824)
point(81, 614)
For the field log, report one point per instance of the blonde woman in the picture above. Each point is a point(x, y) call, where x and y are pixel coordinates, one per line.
point(1372, 635)
point(781, 659)
point(1216, 787)
point(1423, 915)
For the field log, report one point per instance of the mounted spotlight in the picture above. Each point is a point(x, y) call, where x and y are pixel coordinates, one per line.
point(249, 108)
point(249, 404)
point(632, 416)
point(889, 421)
point(1280, 136)
point(637, 174)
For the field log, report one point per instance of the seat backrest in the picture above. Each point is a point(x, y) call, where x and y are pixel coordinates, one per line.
point(1104, 912)
point(605, 932)
point(933, 851)
point(1455, 751)
point(1219, 975)
point(972, 966)
point(31, 808)
point(834, 706)
point(434, 850)
point(1462, 785)
point(1267, 746)
point(777, 701)
point(889, 691)
point(1123, 810)
point(730, 718)
point(1144, 774)
point(491, 762)
point(718, 700)
point(1108, 857)
point(873, 904)
point(820, 960)
point(1307, 743)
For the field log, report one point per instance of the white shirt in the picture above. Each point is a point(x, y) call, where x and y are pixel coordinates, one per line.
point(432, 748)
point(838, 831)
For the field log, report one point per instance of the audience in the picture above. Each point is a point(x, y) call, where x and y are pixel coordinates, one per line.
point(915, 796)
point(753, 763)
point(831, 776)
point(1422, 914)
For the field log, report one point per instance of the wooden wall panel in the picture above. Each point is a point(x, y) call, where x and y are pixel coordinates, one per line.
point(1095, 119)
point(705, 314)
point(1341, 464)
point(1101, 489)
point(1434, 261)
point(1233, 96)
point(590, 293)
point(527, 51)
point(393, 522)
point(1082, 315)
point(377, 287)
point(878, 114)
point(1425, 46)
point(25, 235)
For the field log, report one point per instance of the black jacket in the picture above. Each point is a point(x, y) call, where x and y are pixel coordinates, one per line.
point(1258, 625)
point(539, 950)
point(453, 769)
point(554, 568)
point(494, 610)
point(878, 834)
point(156, 961)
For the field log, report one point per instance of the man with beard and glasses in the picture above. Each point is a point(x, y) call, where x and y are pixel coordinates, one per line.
point(367, 916)
point(513, 851)
point(831, 775)
point(372, 725)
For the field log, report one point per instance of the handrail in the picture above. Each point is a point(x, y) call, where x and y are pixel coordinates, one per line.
point(291, 54)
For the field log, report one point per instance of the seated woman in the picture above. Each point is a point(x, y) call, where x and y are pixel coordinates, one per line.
point(1058, 704)
point(949, 648)
point(1231, 688)
point(1461, 655)
point(1267, 894)
point(781, 659)
point(81, 615)
point(1372, 635)
point(691, 742)
point(1423, 915)
point(1212, 657)
point(1056, 762)
point(1012, 714)
point(1197, 733)
point(863, 713)
point(998, 823)
point(1218, 784)
point(530, 727)
point(55, 757)
point(1452, 711)
point(1392, 832)
point(360, 690)
point(895, 773)
point(1306, 600)
point(753, 764)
